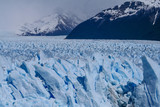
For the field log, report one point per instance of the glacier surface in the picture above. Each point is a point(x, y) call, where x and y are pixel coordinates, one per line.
point(58, 73)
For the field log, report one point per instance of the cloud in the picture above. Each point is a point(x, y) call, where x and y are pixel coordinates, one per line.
point(15, 13)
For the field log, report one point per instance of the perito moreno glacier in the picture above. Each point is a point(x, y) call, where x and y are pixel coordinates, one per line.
point(60, 73)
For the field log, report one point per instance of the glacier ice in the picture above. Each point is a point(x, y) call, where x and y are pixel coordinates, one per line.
point(147, 94)
point(25, 48)
point(93, 82)
point(80, 74)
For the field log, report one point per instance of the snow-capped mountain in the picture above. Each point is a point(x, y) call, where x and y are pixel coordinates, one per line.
point(155, 3)
point(55, 24)
point(131, 20)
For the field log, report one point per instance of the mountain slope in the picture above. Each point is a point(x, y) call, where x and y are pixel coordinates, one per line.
point(56, 24)
point(131, 20)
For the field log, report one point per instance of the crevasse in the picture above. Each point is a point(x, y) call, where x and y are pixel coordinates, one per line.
point(94, 82)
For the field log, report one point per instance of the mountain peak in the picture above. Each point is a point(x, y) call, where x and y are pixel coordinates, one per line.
point(155, 3)
point(58, 23)
point(119, 11)
point(131, 20)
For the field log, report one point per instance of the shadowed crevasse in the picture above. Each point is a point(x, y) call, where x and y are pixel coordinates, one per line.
point(148, 90)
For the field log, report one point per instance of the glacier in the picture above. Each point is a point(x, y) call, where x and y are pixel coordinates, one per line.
point(80, 73)
point(150, 87)
point(93, 82)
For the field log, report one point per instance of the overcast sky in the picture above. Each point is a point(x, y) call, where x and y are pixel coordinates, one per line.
point(14, 13)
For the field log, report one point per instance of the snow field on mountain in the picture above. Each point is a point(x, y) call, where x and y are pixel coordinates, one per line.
point(54, 24)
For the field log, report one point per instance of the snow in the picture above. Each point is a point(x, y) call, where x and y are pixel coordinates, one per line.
point(49, 24)
point(128, 9)
point(155, 3)
point(45, 24)
point(49, 71)
point(155, 19)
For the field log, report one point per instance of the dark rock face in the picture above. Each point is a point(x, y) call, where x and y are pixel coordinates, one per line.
point(131, 20)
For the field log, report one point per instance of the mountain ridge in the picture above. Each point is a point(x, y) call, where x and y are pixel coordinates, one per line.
point(51, 25)
point(131, 20)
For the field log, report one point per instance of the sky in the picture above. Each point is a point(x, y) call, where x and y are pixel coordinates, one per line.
point(14, 13)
